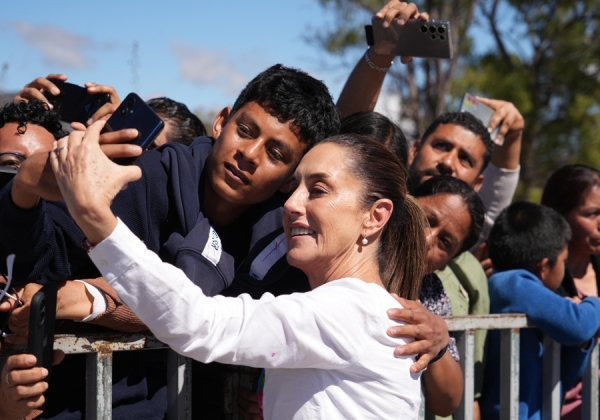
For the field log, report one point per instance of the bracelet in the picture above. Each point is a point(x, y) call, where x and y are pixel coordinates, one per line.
point(375, 66)
point(439, 355)
point(87, 245)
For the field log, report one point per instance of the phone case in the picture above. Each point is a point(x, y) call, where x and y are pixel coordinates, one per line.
point(480, 110)
point(42, 317)
point(135, 113)
point(74, 103)
point(416, 38)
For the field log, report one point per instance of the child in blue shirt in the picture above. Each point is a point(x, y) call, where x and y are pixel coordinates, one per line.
point(528, 249)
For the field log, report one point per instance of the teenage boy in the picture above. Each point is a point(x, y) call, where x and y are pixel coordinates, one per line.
point(528, 247)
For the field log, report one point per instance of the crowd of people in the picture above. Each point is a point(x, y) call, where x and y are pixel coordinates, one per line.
point(303, 238)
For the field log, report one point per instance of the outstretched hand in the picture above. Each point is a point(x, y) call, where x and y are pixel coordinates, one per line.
point(89, 180)
point(428, 330)
point(507, 118)
point(398, 13)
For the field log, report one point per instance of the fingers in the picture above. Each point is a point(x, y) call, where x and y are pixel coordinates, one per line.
point(421, 364)
point(396, 10)
point(121, 150)
point(506, 117)
point(37, 88)
point(106, 110)
point(121, 136)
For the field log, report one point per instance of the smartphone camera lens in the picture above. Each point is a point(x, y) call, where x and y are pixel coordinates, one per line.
point(442, 37)
point(423, 28)
point(441, 29)
point(432, 36)
point(124, 111)
point(432, 29)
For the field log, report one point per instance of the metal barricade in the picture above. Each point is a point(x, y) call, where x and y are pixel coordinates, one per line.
point(100, 347)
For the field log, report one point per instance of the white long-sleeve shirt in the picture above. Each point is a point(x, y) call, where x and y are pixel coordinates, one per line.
point(326, 352)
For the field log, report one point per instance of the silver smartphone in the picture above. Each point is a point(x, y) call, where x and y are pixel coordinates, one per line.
point(416, 38)
point(480, 110)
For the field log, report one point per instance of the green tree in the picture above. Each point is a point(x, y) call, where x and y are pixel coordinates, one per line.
point(544, 57)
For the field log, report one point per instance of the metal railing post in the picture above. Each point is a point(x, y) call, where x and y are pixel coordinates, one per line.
point(551, 397)
point(590, 409)
point(466, 348)
point(179, 386)
point(509, 374)
point(98, 377)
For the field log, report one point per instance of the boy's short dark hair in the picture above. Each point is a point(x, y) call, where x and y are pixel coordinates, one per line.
point(469, 122)
point(293, 96)
point(32, 112)
point(526, 233)
point(185, 125)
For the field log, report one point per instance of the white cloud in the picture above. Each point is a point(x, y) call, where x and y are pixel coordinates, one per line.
point(210, 67)
point(57, 45)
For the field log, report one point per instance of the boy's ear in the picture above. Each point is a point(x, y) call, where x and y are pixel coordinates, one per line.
point(543, 268)
point(220, 121)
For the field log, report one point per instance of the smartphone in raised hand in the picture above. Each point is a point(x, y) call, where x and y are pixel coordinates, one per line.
point(75, 103)
point(416, 38)
point(133, 112)
point(42, 317)
point(480, 110)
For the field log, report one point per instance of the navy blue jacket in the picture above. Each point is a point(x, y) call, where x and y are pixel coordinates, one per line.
point(164, 209)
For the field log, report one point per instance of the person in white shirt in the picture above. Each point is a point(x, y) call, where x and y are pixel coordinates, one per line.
point(350, 226)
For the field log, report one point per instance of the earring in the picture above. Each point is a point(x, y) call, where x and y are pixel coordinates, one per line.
point(365, 241)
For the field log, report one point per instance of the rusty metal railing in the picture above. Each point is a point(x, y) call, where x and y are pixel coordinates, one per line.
point(100, 347)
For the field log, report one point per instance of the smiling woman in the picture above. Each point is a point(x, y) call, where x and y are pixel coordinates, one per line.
point(342, 223)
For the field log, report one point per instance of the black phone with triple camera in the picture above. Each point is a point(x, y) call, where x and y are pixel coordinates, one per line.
point(7, 173)
point(75, 103)
point(133, 112)
point(42, 317)
point(416, 38)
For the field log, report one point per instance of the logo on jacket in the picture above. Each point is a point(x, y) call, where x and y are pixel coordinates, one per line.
point(213, 248)
point(268, 257)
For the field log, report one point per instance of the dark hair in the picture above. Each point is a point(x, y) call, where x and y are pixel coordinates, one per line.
point(402, 246)
point(185, 126)
point(568, 186)
point(32, 112)
point(378, 127)
point(469, 122)
point(526, 233)
point(445, 184)
point(293, 96)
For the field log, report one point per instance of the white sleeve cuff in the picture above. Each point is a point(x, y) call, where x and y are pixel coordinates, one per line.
point(99, 304)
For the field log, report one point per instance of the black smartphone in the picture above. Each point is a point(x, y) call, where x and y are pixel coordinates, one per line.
point(75, 103)
point(416, 38)
point(135, 113)
point(6, 174)
point(42, 317)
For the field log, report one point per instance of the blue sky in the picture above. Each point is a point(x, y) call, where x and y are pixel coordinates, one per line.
point(198, 52)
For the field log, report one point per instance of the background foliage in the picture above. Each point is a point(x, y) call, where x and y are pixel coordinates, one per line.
point(544, 56)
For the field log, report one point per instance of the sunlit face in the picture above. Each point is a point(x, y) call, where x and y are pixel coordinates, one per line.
point(584, 220)
point(323, 218)
point(449, 150)
point(254, 154)
point(552, 275)
point(449, 223)
point(35, 139)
